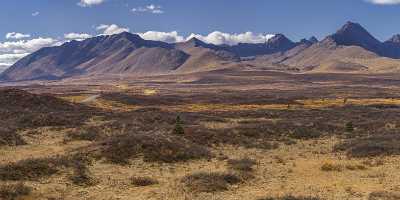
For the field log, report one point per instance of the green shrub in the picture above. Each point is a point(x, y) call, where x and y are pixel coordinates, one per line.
point(178, 129)
point(349, 127)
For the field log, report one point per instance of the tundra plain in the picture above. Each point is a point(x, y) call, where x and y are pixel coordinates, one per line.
point(241, 134)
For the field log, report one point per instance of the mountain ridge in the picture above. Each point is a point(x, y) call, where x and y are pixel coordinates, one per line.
point(130, 54)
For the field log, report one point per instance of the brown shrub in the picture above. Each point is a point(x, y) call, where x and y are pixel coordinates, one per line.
point(29, 169)
point(290, 197)
point(356, 167)
point(14, 191)
point(84, 133)
point(373, 162)
point(382, 195)
point(305, 133)
point(21, 110)
point(153, 148)
point(43, 119)
point(244, 164)
point(143, 181)
point(380, 145)
point(82, 175)
point(10, 137)
point(210, 182)
point(34, 169)
point(237, 137)
point(331, 167)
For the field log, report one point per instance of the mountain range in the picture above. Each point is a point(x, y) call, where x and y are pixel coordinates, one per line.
point(351, 49)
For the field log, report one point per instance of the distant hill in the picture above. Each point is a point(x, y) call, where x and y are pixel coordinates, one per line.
point(204, 56)
point(121, 53)
point(127, 53)
point(392, 47)
point(351, 49)
point(278, 43)
point(353, 34)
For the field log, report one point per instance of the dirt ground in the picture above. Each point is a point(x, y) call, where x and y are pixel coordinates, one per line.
point(290, 124)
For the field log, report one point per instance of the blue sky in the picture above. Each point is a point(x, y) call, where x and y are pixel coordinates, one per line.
point(52, 22)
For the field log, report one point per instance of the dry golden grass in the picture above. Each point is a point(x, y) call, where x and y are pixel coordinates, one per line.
point(225, 107)
point(102, 103)
point(291, 169)
point(303, 104)
point(196, 107)
point(323, 103)
point(113, 105)
point(150, 92)
point(220, 125)
point(76, 98)
point(294, 169)
point(122, 86)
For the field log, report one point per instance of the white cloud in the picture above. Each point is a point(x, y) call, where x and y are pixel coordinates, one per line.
point(111, 29)
point(215, 37)
point(155, 9)
point(88, 3)
point(14, 35)
point(9, 59)
point(384, 2)
point(10, 52)
point(77, 36)
point(35, 14)
point(218, 38)
point(4, 66)
point(26, 46)
point(170, 37)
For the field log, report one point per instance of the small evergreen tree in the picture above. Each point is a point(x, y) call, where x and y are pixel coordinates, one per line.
point(349, 127)
point(178, 129)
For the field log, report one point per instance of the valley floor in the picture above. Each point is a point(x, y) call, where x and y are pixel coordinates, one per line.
point(247, 134)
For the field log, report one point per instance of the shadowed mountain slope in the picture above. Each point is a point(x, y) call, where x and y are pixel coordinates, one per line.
point(204, 56)
point(351, 49)
point(279, 43)
point(127, 53)
point(353, 34)
point(119, 53)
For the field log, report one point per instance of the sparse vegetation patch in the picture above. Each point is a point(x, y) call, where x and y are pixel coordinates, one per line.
point(35, 169)
point(244, 164)
point(14, 191)
point(210, 182)
point(153, 148)
point(143, 181)
point(331, 167)
point(373, 146)
point(383, 195)
point(290, 197)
